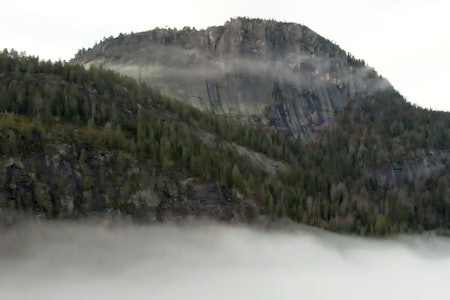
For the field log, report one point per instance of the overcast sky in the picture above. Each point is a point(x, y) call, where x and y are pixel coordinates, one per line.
point(406, 41)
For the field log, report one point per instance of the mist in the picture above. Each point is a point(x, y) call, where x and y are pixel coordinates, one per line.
point(243, 84)
point(212, 261)
point(168, 63)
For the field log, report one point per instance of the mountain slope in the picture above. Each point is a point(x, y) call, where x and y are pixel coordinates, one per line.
point(79, 142)
point(255, 71)
point(84, 143)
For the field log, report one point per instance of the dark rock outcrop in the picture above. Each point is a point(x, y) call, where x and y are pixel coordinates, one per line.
point(421, 168)
point(66, 182)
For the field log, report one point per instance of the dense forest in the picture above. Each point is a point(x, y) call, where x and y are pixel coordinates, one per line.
point(381, 167)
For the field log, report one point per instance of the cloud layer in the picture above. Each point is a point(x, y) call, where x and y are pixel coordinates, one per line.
point(210, 261)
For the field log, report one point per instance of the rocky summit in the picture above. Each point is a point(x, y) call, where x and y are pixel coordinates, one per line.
point(258, 72)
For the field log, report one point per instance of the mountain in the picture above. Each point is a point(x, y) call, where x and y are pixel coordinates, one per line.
point(254, 71)
point(80, 142)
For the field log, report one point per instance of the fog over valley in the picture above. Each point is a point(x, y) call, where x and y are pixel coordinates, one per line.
point(255, 150)
point(210, 261)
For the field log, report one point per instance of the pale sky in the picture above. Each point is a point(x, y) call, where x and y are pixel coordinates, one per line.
point(406, 41)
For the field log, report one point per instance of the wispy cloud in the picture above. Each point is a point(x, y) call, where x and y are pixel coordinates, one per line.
point(167, 67)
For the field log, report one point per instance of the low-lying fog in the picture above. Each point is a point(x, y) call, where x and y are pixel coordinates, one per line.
point(210, 261)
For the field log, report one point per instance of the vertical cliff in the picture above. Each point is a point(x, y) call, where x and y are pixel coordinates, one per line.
point(260, 72)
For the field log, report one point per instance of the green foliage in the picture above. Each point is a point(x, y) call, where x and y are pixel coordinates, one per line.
point(335, 181)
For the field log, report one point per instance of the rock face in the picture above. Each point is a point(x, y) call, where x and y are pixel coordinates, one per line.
point(68, 182)
point(259, 72)
point(423, 167)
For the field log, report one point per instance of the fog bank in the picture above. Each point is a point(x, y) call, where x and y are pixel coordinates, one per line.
point(210, 261)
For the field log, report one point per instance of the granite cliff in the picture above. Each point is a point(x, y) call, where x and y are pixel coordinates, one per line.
point(261, 72)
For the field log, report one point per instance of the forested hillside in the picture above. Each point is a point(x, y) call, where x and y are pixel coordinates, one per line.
point(77, 143)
